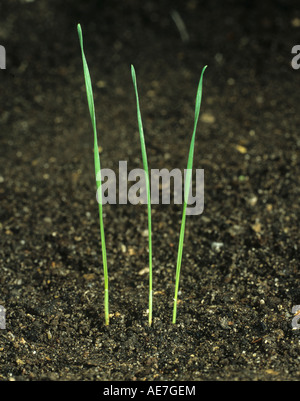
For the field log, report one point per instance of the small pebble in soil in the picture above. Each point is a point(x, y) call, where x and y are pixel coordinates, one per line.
point(216, 246)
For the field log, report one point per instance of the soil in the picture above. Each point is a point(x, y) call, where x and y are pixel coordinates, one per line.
point(240, 269)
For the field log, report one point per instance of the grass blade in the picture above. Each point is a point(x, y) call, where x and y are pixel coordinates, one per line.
point(145, 165)
point(186, 192)
point(90, 99)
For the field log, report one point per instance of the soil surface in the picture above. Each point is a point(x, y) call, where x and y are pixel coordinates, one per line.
point(240, 269)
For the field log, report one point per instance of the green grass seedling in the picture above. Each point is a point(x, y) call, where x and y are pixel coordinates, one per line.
point(90, 99)
point(186, 193)
point(145, 165)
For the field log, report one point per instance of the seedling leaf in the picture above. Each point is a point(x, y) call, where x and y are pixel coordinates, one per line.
point(145, 165)
point(90, 99)
point(186, 192)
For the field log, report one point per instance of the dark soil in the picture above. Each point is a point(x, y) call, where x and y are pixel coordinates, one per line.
point(235, 306)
